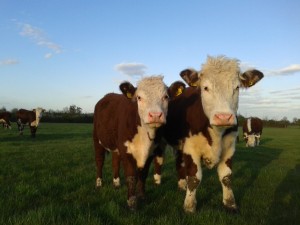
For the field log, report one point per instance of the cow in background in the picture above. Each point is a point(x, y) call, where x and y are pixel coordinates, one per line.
point(252, 130)
point(32, 118)
point(128, 124)
point(5, 119)
point(202, 125)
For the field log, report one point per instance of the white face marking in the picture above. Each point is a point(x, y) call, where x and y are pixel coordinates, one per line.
point(151, 94)
point(2, 121)
point(251, 140)
point(38, 115)
point(98, 182)
point(219, 84)
point(249, 125)
point(140, 147)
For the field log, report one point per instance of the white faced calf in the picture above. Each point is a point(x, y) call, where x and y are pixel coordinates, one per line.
point(202, 124)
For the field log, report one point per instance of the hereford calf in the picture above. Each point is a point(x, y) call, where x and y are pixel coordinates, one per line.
point(128, 125)
point(32, 118)
point(5, 119)
point(252, 130)
point(202, 124)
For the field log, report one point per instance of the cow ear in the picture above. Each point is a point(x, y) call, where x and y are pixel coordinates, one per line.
point(190, 77)
point(250, 77)
point(127, 89)
point(176, 89)
point(33, 110)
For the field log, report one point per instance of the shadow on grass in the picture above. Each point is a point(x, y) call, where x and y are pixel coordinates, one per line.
point(287, 198)
point(250, 162)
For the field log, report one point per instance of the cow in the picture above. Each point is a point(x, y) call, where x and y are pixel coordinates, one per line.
point(202, 125)
point(5, 119)
point(252, 130)
point(32, 118)
point(128, 124)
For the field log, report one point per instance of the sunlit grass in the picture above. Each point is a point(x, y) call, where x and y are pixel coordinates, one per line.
point(50, 180)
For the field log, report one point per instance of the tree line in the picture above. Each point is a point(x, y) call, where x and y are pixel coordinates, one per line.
point(73, 114)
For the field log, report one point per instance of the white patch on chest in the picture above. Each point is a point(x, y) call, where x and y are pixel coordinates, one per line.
point(34, 124)
point(140, 146)
point(198, 147)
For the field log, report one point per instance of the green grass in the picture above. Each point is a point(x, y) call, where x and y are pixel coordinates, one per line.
point(50, 180)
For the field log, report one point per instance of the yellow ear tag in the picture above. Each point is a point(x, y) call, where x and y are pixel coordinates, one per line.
point(193, 84)
point(250, 83)
point(129, 95)
point(179, 91)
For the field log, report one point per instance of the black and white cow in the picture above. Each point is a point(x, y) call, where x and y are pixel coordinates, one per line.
point(32, 118)
point(252, 130)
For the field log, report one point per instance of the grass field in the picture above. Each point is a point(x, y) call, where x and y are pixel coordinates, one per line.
point(50, 180)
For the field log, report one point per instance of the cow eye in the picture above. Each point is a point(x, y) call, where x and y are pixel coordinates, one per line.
point(206, 88)
point(166, 97)
point(139, 98)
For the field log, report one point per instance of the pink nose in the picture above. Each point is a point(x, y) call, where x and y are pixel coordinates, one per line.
point(155, 117)
point(223, 119)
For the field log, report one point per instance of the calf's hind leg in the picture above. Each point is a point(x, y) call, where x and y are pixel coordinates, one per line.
point(99, 158)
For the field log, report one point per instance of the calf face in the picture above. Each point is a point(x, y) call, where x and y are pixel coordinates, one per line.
point(152, 99)
point(38, 115)
point(219, 82)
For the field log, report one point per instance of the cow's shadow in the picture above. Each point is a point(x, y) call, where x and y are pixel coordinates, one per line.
point(287, 197)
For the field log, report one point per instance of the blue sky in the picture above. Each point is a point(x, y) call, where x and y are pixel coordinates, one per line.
point(57, 53)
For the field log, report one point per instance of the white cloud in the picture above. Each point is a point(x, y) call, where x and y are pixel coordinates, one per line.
point(289, 70)
point(39, 38)
point(131, 69)
point(6, 62)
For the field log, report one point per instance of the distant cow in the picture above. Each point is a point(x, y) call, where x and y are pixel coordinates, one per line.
point(128, 125)
point(32, 118)
point(202, 124)
point(5, 119)
point(252, 130)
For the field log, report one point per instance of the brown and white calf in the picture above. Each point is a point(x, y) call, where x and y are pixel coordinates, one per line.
point(32, 118)
point(5, 119)
point(202, 124)
point(252, 130)
point(128, 125)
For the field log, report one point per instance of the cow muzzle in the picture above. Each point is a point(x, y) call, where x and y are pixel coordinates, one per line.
point(223, 120)
point(156, 119)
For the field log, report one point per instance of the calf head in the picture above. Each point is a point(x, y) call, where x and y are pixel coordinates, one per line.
point(219, 82)
point(252, 140)
point(38, 115)
point(152, 97)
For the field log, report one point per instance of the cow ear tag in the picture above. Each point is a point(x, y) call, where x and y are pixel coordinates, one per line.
point(179, 91)
point(250, 83)
point(129, 95)
point(193, 84)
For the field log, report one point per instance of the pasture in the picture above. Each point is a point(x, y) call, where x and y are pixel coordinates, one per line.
point(51, 179)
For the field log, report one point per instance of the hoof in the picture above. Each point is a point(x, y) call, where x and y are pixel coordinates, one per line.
point(99, 183)
point(132, 203)
point(116, 183)
point(231, 209)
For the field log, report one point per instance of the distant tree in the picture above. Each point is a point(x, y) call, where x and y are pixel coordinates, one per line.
point(284, 121)
point(3, 109)
point(73, 109)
